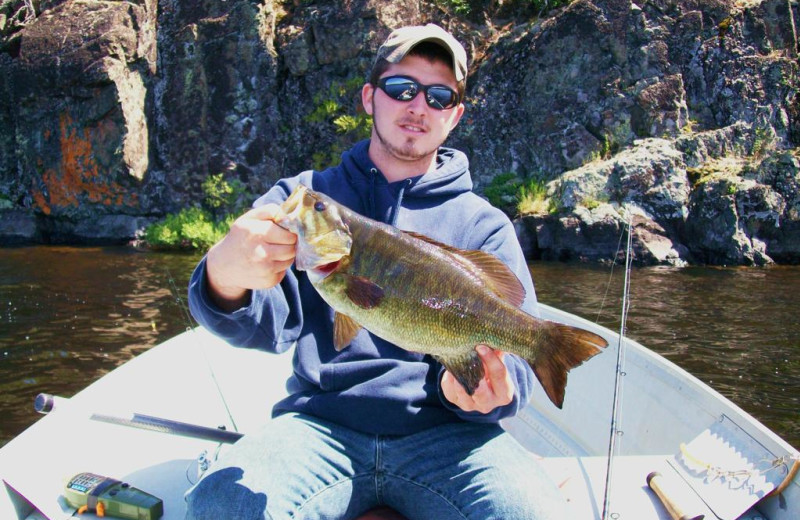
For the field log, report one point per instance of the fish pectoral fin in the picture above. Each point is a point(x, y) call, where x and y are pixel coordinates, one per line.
point(489, 269)
point(344, 330)
point(363, 292)
point(467, 369)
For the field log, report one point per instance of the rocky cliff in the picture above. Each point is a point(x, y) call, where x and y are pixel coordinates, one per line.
point(678, 116)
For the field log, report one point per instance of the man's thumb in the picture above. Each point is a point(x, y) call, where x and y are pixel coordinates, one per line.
point(271, 212)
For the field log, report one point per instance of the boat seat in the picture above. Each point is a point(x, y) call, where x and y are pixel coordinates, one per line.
point(381, 513)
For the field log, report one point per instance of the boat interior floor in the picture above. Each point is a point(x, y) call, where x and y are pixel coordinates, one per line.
point(175, 381)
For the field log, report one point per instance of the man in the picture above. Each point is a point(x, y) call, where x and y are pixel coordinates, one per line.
point(373, 425)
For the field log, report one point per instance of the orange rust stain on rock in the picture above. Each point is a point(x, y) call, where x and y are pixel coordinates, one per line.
point(41, 202)
point(78, 177)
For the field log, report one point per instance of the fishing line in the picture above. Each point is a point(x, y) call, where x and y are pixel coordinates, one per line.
point(191, 328)
point(610, 276)
point(617, 399)
point(181, 305)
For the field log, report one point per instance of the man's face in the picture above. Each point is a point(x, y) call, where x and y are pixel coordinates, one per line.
point(411, 130)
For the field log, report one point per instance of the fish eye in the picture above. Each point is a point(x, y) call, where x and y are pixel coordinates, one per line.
point(319, 206)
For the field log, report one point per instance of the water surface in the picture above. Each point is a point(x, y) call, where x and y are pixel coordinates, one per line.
point(69, 315)
point(736, 329)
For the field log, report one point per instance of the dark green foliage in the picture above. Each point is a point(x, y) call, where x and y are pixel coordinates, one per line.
point(333, 109)
point(200, 227)
point(502, 192)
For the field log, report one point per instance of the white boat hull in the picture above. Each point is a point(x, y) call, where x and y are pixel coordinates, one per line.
point(662, 407)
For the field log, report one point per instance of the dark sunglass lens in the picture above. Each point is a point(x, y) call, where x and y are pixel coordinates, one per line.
point(401, 89)
point(441, 97)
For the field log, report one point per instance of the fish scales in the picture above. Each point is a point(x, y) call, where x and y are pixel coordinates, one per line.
point(426, 297)
point(428, 303)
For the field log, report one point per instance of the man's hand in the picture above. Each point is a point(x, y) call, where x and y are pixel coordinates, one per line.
point(255, 254)
point(495, 389)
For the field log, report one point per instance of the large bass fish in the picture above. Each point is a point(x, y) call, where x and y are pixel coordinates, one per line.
point(424, 296)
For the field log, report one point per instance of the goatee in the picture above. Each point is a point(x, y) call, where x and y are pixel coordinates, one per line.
point(407, 151)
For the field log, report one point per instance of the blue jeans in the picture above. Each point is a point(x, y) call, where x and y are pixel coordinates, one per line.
point(302, 467)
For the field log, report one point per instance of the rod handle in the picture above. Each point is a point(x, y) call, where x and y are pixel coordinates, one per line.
point(46, 403)
point(670, 497)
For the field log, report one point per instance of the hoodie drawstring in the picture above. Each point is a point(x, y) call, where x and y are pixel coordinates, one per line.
point(373, 174)
point(396, 212)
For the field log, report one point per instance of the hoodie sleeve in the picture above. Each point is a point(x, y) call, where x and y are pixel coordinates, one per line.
point(491, 231)
point(272, 319)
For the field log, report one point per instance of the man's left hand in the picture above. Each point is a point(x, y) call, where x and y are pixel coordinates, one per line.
point(495, 389)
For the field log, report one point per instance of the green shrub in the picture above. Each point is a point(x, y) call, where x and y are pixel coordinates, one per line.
point(543, 6)
point(358, 126)
point(458, 6)
point(200, 227)
point(222, 196)
point(591, 203)
point(334, 108)
point(502, 190)
point(762, 143)
point(515, 197)
point(324, 110)
point(191, 228)
point(532, 198)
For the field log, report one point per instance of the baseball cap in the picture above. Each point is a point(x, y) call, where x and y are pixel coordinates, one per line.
point(402, 40)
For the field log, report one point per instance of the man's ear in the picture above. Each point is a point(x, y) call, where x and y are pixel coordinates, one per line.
point(457, 116)
point(367, 92)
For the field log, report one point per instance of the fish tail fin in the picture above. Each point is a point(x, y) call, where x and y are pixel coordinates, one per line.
point(562, 348)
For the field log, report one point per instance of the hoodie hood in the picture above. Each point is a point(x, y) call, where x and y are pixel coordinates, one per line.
point(450, 178)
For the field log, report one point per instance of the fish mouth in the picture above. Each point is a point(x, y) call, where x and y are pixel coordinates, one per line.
point(323, 239)
point(311, 258)
point(317, 274)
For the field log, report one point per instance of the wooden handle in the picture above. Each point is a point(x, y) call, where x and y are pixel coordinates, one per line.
point(670, 497)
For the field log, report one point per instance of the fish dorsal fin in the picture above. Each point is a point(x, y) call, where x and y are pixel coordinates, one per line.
point(488, 268)
point(497, 276)
point(344, 330)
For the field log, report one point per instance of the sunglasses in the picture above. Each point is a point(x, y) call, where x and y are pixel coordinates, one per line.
point(403, 88)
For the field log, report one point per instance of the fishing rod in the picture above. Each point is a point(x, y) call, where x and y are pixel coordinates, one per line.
point(158, 424)
point(46, 403)
point(617, 397)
